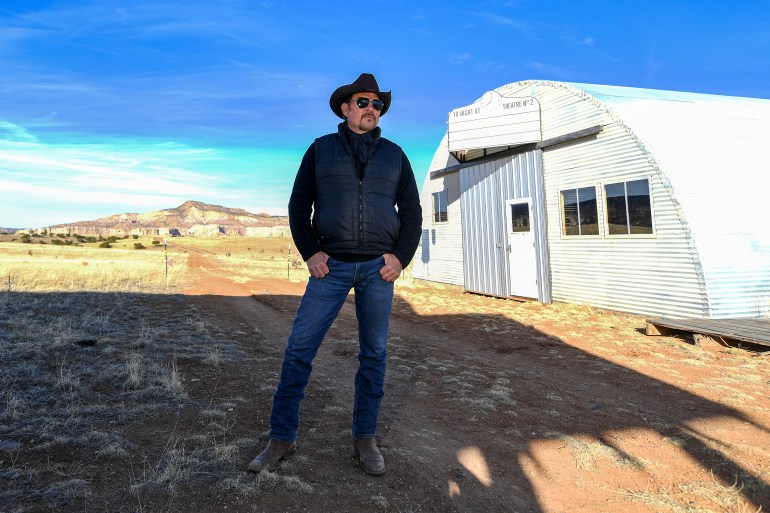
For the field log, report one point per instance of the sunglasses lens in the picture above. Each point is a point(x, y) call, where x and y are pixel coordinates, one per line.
point(364, 102)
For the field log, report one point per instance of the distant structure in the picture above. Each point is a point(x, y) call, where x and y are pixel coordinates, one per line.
point(643, 201)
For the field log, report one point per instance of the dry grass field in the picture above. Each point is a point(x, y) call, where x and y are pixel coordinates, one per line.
point(126, 389)
point(86, 268)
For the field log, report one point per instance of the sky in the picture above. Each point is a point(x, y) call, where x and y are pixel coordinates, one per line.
point(131, 106)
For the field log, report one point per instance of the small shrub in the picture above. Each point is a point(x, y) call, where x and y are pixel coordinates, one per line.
point(135, 237)
point(105, 244)
point(26, 238)
point(139, 245)
point(172, 381)
point(155, 242)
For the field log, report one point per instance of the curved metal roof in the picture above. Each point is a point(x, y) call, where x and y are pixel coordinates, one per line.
point(714, 151)
point(710, 147)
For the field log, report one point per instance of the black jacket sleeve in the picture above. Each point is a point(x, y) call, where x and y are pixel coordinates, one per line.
point(409, 213)
point(301, 206)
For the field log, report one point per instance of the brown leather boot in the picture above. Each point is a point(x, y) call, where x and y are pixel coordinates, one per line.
point(272, 455)
point(369, 456)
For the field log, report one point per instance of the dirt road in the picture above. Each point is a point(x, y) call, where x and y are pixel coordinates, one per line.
point(493, 405)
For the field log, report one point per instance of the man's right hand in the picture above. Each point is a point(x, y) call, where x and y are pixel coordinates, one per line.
point(316, 264)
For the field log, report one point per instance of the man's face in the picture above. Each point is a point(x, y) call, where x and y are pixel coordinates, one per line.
point(361, 120)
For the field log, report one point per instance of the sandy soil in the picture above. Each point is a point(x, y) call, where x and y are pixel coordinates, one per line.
point(491, 405)
point(485, 412)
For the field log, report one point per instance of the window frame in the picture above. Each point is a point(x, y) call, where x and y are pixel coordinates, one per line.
point(575, 187)
point(628, 234)
point(437, 213)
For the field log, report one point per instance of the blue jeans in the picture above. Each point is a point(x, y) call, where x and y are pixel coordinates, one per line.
point(319, 307)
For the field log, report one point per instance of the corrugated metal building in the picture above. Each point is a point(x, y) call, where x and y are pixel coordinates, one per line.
point(644, 201)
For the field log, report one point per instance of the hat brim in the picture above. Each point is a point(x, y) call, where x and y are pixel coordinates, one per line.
point(344, 92)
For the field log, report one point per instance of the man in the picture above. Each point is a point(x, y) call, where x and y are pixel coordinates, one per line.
point(346, 226)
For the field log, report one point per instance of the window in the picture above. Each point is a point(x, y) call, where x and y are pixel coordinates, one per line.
point(440, 207)
point(578, 212)
point(519, 217)
point(628, 208)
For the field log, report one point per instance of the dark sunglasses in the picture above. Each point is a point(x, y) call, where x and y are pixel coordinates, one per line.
point(364, 102)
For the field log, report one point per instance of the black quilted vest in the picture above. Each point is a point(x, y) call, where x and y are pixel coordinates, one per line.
point(352, 216)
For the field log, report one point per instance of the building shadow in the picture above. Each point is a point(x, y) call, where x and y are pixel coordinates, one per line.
point(555, 392)
point(471, 397)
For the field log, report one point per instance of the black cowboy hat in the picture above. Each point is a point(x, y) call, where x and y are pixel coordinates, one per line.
point(365, 83)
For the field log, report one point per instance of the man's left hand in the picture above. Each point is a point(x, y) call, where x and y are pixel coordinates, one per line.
point(392, 268)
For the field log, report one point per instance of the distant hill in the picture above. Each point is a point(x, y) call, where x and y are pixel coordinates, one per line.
point(8, 230)
point(191, 218)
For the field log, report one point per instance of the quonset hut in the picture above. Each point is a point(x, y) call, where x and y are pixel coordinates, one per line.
point(637, 200)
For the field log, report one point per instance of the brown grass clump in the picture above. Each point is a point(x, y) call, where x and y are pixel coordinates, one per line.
point(680, 498)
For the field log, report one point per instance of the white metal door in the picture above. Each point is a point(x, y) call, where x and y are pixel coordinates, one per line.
point(522, 257)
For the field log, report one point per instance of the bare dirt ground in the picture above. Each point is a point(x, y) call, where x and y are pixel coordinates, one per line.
point(490, 405)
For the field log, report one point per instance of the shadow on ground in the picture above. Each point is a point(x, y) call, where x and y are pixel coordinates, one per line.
point(474, 418)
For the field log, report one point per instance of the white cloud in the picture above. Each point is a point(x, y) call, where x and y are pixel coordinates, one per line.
point(149, 20)
point(100, 165)
point(45, 183)
point(82, 176)
point(459, 58)
point(502, 20)
point(89, 196)
point(571, 39)
point(13, 132)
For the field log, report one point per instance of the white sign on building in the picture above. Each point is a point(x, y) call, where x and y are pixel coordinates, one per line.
point(494, 121)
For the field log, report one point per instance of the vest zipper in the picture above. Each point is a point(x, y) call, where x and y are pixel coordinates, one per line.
point(361, 212)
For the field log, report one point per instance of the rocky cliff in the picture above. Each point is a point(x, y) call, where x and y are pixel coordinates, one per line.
point(191, 218)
